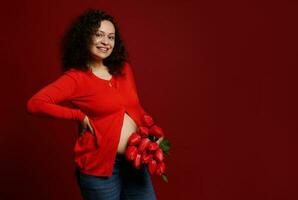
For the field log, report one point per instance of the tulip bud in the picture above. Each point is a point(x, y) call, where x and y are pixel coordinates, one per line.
point(143, 144)
point(160, 168)
point(134, 139)
point(156, 131)
point(144, 131)
point(152, 166)
point(137, 161)
point(152, 146)
point(131, 152)
point(148, 120)
point(158, 155)
point(146, 157)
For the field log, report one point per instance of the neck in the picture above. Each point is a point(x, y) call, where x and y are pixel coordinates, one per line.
point(97, 65)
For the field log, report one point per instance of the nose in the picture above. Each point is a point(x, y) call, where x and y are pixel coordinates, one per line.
point(104, 40)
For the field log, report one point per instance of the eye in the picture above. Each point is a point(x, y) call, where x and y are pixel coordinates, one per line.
point(112, 38)
point(98, 35)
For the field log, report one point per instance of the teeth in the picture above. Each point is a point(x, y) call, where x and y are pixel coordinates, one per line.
point(102, 48)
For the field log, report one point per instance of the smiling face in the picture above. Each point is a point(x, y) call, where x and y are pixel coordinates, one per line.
point(103, 41)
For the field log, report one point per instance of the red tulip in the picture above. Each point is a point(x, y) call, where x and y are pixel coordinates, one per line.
point(156, 131)
point(152, 166)
point(144, 131)
point(152, 146)
point(137, 161)
point(131, 152)
point(158, 155)
point(148, 120)
point(143, 144)
point(134, 139)
point(146, 157)
point(160, 168)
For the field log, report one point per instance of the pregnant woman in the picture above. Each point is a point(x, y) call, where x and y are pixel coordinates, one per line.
point(98, 81)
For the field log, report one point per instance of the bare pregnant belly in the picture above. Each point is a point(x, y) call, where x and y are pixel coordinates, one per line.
point(128, 127)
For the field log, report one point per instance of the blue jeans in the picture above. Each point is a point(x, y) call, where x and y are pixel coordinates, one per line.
point(126, 183)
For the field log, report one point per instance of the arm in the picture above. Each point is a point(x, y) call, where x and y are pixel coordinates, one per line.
point(132, 80)
point(45, 102)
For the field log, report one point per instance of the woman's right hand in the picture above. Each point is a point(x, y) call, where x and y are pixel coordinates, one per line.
point(85, 124)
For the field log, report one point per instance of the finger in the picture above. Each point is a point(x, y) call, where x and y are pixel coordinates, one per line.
point(89, 126)
point(91, 129)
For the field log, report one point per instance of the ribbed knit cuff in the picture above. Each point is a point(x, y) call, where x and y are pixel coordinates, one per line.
point(80, 115)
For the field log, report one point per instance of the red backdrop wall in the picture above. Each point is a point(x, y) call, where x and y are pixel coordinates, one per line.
point(218, 76)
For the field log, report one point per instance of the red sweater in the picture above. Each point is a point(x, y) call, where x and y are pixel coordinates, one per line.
point(104, 105)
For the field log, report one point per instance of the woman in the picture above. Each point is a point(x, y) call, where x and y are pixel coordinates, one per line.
point(99, 83)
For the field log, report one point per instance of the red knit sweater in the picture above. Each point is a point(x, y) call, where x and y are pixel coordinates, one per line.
point(105, 107)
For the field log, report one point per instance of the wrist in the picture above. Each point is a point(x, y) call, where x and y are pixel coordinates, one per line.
point(82, 116)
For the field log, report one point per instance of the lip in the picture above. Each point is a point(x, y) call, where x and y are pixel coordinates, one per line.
point(100, 48)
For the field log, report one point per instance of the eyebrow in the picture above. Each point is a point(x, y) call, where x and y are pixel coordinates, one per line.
point(105, 32)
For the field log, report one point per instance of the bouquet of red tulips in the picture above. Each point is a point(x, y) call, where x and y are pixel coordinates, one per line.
point(143, 148)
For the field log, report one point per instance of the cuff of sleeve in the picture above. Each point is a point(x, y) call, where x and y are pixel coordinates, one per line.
point(80, 116)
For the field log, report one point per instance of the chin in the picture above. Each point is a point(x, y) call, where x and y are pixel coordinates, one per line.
point(101, 57)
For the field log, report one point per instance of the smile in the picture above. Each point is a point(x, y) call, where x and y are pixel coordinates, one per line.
point(103, 49)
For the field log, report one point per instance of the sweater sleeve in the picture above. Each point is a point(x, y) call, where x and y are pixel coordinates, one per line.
point(132, 80)
point(45, 101)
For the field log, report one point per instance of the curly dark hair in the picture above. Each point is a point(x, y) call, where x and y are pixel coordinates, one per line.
point(77, 39)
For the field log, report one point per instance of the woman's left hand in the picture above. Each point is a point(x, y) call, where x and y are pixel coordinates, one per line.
point(159, 140)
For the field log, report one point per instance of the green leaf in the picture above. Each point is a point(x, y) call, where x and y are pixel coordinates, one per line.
point(165, 145)
point(165, 178)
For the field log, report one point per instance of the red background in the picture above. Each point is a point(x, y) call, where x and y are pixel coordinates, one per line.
point(219, 77)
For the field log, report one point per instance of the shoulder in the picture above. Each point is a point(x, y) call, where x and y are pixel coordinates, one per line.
point(72, 71)
point(127, 68)
point(74, 77)
point(75, 73)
